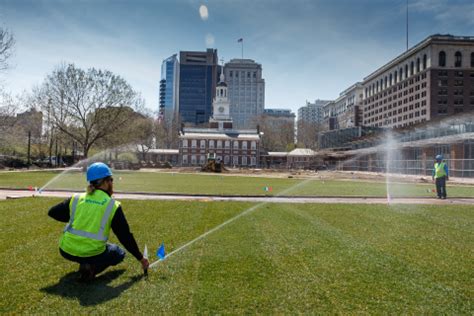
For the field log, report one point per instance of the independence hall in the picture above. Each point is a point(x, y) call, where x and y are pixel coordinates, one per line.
point(233, 147)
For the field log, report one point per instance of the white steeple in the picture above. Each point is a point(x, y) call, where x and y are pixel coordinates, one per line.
point(221, 104)
point(221, 77)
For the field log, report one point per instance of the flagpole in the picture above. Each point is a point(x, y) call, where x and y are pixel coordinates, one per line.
point(407, 23)
point(242, 48)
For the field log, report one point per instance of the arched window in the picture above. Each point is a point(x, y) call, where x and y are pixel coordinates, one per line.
point(385, 82)
point(377, 86)
point(424, 61)
point(442, 59)
point(395, 76)
point(412, 68)
point(457, 59)
point(472, 59)
point(406, 71)
point(381, 84)
point(400, 76)
point(390, 79)
point(418, 65)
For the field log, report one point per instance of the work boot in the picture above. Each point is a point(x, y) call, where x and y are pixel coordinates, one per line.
point(87, 272)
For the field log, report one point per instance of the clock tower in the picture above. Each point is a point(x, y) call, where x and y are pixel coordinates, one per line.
point(221, 113)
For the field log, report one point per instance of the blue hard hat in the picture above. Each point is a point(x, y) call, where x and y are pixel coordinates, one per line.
point(98, 170)
point(439, 157)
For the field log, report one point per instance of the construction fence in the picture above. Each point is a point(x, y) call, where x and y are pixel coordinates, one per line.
point(463, 168)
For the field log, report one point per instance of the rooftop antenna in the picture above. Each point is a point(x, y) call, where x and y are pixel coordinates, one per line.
point(407, 23)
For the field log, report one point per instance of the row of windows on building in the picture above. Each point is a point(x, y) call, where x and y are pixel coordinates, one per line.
point(236, 160)
point(457, 59)
point(242, 74)
point(243, 111)
point(400, 102)
point(396, 76)
point(403, 90)
point(396, 121)
point(218, 144)
point(409, 70)
point(394, 106)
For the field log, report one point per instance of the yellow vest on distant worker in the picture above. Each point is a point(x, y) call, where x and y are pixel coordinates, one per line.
point(439, 170)
point(88, 229)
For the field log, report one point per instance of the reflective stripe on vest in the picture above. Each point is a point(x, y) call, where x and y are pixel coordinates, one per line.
point(439, 170)
point(100, 234)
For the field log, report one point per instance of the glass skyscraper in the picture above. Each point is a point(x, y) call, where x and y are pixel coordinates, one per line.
point(197, 85)
point(169, 87)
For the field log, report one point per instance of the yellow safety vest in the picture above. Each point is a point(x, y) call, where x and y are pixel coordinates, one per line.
point(439, 170)
point(89, 225)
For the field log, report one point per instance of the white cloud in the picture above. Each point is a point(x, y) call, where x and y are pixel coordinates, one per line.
point(446, 12)
point(203, 12)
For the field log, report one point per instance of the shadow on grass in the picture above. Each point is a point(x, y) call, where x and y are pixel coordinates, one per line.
point(92, 293)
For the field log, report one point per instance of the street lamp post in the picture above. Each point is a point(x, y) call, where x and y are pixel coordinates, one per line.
point(29, 150)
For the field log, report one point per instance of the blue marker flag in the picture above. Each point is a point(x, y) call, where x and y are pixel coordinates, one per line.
point(160, 253)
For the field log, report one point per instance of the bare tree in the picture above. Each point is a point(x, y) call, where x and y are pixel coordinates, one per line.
point(308, 134)
point(87, 106)
point(167, 132)
point(144, 134)
point(7, 120)
point(7, 41)
point(278, 133)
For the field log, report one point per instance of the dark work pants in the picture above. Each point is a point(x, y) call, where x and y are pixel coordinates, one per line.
point(112, 256)
point(441, 187)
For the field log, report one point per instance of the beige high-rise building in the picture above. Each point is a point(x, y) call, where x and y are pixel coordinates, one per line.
point(246, 91)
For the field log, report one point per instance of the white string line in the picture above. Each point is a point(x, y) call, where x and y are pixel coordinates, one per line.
point(251, 209)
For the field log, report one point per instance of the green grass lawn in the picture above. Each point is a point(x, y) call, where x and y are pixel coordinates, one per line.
point(280, 258)
point(227, 185)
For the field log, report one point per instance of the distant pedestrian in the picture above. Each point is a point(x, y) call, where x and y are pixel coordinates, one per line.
point(440, 176)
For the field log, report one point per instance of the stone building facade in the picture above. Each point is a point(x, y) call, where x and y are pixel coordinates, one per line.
point(246, 88)
point(345, 111)
point(435, 78)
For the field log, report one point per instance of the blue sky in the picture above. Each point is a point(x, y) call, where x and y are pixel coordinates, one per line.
point(308, 49)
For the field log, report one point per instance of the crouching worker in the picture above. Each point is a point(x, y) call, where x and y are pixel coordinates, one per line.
point(90, 216)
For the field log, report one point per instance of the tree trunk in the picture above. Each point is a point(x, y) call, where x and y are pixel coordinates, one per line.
point(86, 150)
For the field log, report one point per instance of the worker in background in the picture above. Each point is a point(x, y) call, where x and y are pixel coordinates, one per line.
point(440, 176)
point(90, 216)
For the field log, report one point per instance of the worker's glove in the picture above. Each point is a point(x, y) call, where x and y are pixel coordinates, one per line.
point(145, 263)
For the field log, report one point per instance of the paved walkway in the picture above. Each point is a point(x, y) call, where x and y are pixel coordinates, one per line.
point(12, 194)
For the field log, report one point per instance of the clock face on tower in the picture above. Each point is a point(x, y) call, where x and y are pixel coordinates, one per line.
point(221, 109)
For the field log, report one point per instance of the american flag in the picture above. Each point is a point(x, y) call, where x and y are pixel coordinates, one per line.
point(240, 40)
